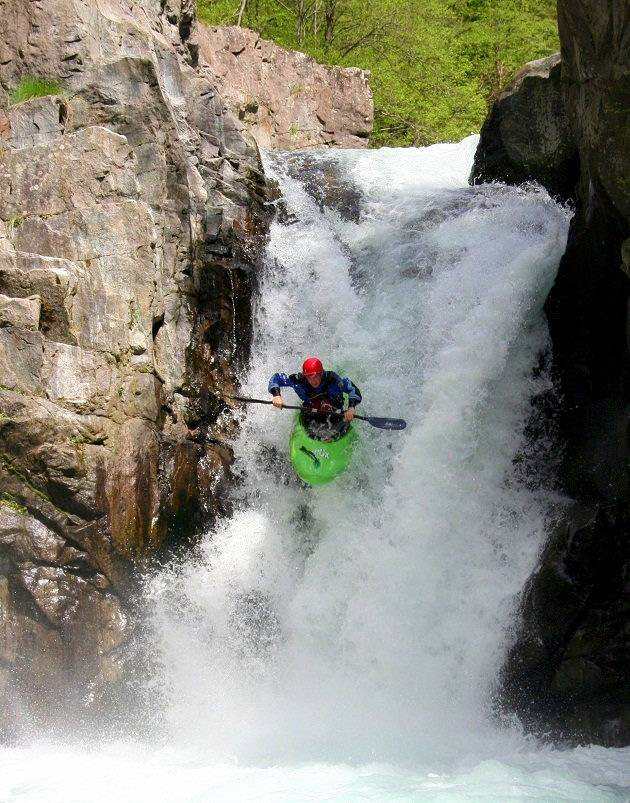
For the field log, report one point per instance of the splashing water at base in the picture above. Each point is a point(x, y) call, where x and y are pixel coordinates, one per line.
point(342, 642)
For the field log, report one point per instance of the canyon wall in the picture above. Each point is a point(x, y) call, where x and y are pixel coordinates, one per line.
point(566, 123)
point(285, 98)
point(132, 215)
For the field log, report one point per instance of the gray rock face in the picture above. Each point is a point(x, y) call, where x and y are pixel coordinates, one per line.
point(131, 218)
point(527, 135)
point(283, 97)
point(568, 673)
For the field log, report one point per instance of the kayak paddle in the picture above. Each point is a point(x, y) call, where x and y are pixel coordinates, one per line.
point(379, 423)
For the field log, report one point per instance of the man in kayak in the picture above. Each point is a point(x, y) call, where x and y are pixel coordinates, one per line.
point(321, 393)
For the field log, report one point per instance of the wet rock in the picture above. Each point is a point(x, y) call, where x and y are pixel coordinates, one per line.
point(50, 599)
point(527, 135)
point(327, 184)
point(568, 672)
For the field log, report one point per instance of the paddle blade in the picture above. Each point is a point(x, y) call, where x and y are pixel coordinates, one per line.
point(385, 423)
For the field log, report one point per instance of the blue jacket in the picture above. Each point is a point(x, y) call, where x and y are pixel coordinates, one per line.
point(329, 392)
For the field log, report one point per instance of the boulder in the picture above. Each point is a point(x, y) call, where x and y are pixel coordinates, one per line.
point(527, 136)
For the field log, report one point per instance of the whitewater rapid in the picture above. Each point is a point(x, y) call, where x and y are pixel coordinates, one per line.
point(343, 642)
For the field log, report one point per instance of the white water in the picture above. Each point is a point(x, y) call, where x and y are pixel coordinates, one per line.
point(342, 643)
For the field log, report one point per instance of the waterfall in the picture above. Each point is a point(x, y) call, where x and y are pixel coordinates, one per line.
point(367, 619)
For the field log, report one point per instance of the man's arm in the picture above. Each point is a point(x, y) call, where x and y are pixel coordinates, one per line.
point(354, 394)
point(276, 382)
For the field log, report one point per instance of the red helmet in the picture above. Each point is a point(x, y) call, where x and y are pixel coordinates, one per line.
point(311, 366)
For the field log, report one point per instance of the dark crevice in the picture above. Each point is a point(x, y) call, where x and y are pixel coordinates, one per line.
point(157, 325)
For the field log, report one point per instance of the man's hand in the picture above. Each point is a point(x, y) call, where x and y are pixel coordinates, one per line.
point(349, 414)
point(277, 402)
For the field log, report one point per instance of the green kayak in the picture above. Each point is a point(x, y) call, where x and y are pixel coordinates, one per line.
point(318, 462)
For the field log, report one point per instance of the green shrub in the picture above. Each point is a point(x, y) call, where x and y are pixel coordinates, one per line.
point(31, 87)
point(436, 65)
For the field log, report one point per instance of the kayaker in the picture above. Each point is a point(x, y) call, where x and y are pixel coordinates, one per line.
point(321, 393)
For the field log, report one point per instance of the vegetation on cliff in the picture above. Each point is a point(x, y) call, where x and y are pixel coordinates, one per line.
point(436, 65)
point(30, 86)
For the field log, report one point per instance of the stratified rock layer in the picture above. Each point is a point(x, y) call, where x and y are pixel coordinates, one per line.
point(131, 215)
point(568, 673)
point(285, 98)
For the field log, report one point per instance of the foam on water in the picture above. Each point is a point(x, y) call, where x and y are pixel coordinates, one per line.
point(342, 643)
point(128, 773)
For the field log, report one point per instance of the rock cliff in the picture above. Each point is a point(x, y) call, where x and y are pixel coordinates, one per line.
point(285, 98)
point(131, 218)
point(528, 136)
point(568, 126)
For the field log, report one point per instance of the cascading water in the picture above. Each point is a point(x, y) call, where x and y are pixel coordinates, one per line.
point(342, 643)
point(366, 619)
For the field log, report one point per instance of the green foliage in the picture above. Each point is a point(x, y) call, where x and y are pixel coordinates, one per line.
point(32, 87)
point(7, 500)
point(435, 65)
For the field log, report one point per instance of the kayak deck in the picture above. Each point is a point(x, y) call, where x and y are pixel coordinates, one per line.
point(317, 462)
